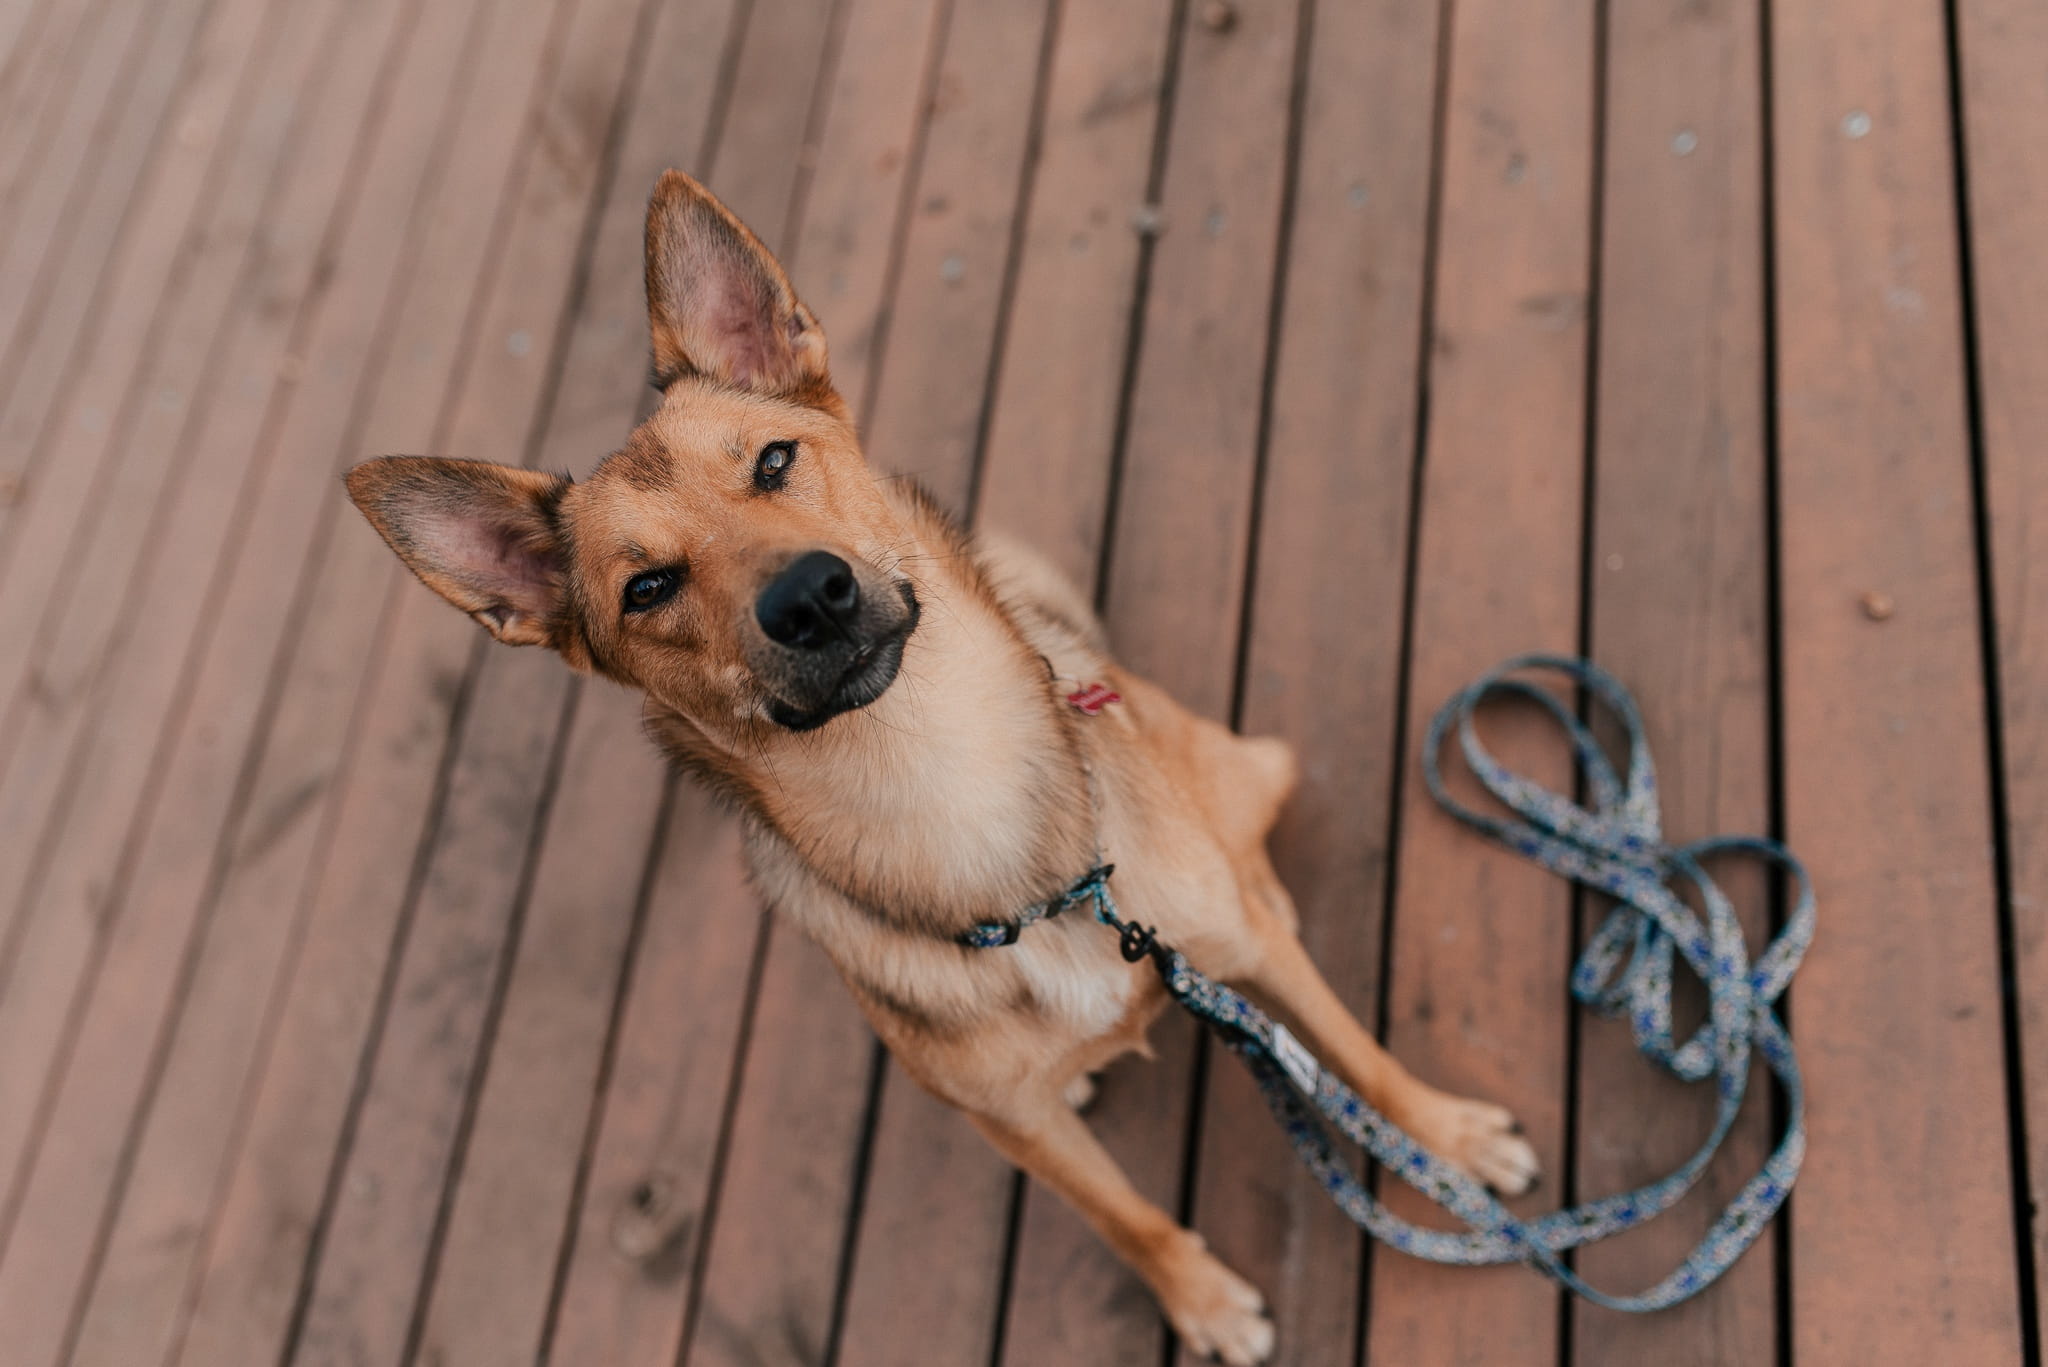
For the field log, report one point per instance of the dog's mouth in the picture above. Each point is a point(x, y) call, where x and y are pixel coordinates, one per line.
point(872, 667)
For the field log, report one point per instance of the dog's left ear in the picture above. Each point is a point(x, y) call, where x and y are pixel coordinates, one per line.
point(718, 302)
point(482, 536)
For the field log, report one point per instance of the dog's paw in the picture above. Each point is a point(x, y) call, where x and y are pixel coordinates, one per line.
point(1480, 1138)
point(1218, 1314)
point(1080, 1093)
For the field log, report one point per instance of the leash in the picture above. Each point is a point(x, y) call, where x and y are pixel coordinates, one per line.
point(1616, 846)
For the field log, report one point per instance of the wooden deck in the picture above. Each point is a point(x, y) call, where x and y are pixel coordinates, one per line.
point(368, 996)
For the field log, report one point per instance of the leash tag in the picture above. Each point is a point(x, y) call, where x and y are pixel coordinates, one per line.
point(1092, 698)
point(1294, 1056)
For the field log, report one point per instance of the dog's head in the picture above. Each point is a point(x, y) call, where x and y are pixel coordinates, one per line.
point(735, 557)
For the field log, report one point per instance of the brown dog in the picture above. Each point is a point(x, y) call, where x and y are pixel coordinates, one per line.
point(875, 690)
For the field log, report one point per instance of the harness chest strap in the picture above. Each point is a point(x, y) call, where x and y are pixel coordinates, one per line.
point(1613, 845)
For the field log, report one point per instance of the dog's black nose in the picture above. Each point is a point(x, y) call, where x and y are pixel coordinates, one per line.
point(812, 603)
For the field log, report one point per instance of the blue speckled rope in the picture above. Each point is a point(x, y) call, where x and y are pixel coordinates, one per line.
point(1615, 846)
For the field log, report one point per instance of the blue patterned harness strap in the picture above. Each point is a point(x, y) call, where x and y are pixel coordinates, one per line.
point(1615, 846)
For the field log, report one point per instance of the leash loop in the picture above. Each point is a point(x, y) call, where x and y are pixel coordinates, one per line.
point(1614, 844)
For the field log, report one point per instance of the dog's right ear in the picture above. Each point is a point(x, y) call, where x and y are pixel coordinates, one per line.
point(718, 302)
point(485, 537)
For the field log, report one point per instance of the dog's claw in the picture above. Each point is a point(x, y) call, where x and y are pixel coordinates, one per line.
point(1482, 1139)
point(1219, 1315)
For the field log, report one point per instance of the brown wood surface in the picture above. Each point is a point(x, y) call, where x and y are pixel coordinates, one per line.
point(370, 996)
point(1886, 780)
point(1050, 454)
point(21, 23)
point(637, 1250)
point(84, 142)
point(91, 747)
point(1182, 511)
point(1046, 472)
point(512, 1180)
point(378, 1257)
point(113, 100)
point(633, 1251)
point(160, 909)
point(770, 1286)
point(1679, 606)
point(1328, 584)
point(2002, 44)
point(1481, 939)
point(67, 472)
point(246, 1300)
point(925, 1272)
point(35, 89)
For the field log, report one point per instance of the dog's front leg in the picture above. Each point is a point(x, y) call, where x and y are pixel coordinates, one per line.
point(1478, 1136)
point(1214, 1310)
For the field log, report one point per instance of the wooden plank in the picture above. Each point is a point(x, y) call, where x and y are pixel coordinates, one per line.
point(926, 1273)
point(1174, 590)
point(1322, 664)
point(926, 418)
point(377, 1248)
point(379, 1255)
point(91, 750)
point(766, 148)
point(191, 1129)
point(110, 453)
point(1679, 604)
point(927, 1276)
point(1053, 432)
point(242, 1288)
point(51, 423)
point(33, 89)
point(1874, 494)
point(659, 1121)
point(68, 1181)
point(770, 1277)
point(639, 1238)
point(2001, 47)
point(58, 249)
point(83, 93)
point(1481, 939)
point(1182, 532)
point(848, 230)
point(23, 24)
point(308, 1078)
point(1055, 401)
point(513, 1207)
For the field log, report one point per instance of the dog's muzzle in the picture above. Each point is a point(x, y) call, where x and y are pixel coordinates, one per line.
point(830, 646)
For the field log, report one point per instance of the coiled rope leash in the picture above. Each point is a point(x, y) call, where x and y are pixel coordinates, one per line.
point(1615, 846)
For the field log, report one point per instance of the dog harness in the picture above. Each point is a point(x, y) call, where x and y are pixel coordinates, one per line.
point(1614, 845)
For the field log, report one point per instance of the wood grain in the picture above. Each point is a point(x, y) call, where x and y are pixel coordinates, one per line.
point(1323, 663)
point(770, 1284)
point(1181, 532)
point(1481, 939)
point(925, 1276)
point(90, 752)
point(1679, 604)
point(2001, 44)
point(1886, 768)
point(73, 197)
point(85, 1164)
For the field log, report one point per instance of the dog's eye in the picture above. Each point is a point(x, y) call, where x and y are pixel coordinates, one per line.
point(771, 467)
point(651, 589)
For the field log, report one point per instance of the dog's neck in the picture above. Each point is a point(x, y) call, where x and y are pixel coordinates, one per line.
point(958, 796)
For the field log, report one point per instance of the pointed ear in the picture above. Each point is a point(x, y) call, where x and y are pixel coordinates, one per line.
point(482, 536)
point(718, 303)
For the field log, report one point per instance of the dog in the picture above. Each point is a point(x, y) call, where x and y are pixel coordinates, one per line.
point(883, 697)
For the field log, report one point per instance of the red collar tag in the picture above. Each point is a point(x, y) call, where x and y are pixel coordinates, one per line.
point(1092, 698)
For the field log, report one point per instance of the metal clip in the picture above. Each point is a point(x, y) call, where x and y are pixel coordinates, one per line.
point(1136, 941)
